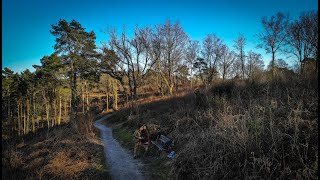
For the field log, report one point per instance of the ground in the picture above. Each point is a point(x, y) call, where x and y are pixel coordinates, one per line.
point(58, 153)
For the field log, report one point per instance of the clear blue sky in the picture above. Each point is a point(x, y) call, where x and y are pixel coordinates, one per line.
point(26, 23)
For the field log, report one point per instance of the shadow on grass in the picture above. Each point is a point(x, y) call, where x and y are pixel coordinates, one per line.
point(58, 153)
point(234, 130)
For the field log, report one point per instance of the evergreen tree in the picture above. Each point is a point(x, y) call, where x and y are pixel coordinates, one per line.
point(77, 49)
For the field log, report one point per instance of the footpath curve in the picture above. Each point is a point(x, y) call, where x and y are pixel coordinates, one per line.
point(118, 159)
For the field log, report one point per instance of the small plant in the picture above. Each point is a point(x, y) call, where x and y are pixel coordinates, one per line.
point(255, 126)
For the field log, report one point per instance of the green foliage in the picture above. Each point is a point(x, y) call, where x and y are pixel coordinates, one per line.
point(101, 167)
point(50, 65)
point(108, 64)
point(78, 52)
point(201, 67)
point(7, 80)
point(72, 38)
point(77, 45)
point(255, 126)
point(124, 136)
point(48, 72)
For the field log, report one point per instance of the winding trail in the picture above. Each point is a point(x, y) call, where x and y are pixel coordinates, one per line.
point(121, 163)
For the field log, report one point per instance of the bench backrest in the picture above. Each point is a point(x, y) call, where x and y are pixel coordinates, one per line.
point(165, 140)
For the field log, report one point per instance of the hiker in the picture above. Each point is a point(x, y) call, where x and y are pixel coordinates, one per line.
point(142, 139)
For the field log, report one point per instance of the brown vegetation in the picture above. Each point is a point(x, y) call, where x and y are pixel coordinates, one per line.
point(69, 151)
point(243, 121)
point(244, 130)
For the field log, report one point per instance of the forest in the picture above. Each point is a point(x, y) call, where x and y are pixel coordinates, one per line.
point(231, 115)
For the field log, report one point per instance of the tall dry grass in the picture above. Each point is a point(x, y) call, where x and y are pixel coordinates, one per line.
point(68, 151)
point(252, 131)
point(239, 130)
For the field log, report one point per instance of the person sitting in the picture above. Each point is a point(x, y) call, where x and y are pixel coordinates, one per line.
point(142, 140)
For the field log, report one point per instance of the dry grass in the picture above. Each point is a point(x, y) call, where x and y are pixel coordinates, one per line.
point(239, 130)
point(69, 151)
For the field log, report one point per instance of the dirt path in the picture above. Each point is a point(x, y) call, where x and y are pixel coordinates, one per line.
point(120, 161)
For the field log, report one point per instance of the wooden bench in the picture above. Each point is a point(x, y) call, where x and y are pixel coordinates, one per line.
point(163, 143)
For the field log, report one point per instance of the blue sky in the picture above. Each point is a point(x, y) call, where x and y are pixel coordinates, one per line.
point(26, 23)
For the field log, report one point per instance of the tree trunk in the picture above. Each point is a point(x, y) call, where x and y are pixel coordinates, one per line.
point(53, 122)
point(19, 118)
point(159, 80)
point(9, 105)
point(108, 90)
point(242, 62)
point(46, 105)
point(73, 96)
point(12, 120)
point(131, 88)
point(115, 95)
point(87, 96)
point(28, 115)
point(168, 84)
point(60, 110)
point(125, 90)
point(135, 95)
point(70, 104)
point(65, 107)
point(160, 85)
point(24, 121)
point(82, 94)
point(42, 121)
point(272, 65)
point(34, 114)
point(47, 113)
point(162, 88)
point(171, 88)
point(134, 81)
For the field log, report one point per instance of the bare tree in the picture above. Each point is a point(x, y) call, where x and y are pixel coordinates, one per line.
point(154, 52)
point(280, 63)
point(133, 57)
point(192, 55)
point(112, 65)
point(142, 45)
point(240, 42)
point(309, 22)
point(236, 69)
point(173, 43)
point(273, 35)
point(297, 45)
point(255, 64)
point(227, 59)
point(211, 52)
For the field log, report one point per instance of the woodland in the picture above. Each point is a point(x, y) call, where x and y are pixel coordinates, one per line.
point(231, 115)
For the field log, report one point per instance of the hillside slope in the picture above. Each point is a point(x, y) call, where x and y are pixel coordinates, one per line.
point(68, 151)
point(237, 130)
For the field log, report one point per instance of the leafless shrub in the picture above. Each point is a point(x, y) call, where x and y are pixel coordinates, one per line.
point(259, 131)
point(84, 125)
